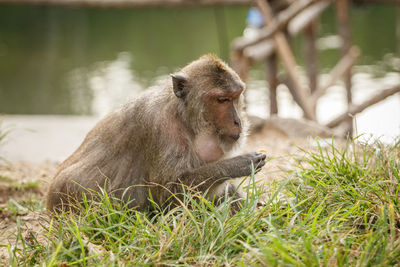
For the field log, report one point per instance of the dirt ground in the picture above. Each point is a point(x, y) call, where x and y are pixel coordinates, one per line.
point(23, 185)
point(22, 192)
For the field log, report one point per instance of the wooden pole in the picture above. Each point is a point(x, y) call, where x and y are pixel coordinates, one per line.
point(275, 25)
point(240, 64)
point(284, 51)
point(342, 7)
point(260, 51)
point(311, 53)
point(307, 16)
point(341, 68)
point(357, 109)
point(272, 77)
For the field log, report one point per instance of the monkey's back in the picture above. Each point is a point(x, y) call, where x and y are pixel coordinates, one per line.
point(114, 155)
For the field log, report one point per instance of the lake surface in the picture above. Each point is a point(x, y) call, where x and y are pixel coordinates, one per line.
point(87, 61)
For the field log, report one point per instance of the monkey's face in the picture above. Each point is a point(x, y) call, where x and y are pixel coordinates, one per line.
point(210, 90)
point(222, 111)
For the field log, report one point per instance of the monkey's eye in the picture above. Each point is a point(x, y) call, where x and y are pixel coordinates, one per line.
point(224, 99)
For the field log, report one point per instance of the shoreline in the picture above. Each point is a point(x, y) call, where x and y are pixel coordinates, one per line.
point(38, 138)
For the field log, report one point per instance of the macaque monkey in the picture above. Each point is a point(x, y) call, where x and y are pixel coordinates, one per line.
point(180, 134)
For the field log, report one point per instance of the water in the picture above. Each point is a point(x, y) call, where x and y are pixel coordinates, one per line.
point(50, 56)
point(87, 61)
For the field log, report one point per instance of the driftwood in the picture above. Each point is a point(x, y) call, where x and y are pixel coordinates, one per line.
point(240, 64)
point(344, 31)
point(284, 51)
point(307, 16)
point(272, 41)
point(342, 7)
point(353, 110)
point(338, 71)
point(293, 128)
point(311, 54)
point(261, 50)
point(272, 77)
point(276, 24)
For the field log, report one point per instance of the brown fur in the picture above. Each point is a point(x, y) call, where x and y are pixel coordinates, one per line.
point(162, 139)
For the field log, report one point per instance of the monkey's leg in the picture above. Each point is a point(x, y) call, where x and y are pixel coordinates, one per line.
point(227, 190)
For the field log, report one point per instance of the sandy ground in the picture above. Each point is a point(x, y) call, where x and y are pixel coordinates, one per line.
point(32, 156)
point(37, 139)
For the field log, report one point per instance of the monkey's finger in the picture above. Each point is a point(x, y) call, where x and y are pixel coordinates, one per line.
point(260, 158)
point(258, 166)
point(261, 155)
point(258, 162)
point(255, 154)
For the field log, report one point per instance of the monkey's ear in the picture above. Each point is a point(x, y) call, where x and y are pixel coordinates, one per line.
point(179, 84)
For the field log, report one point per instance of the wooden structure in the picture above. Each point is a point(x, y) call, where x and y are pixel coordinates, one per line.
point(302, 16)
point(284, 18)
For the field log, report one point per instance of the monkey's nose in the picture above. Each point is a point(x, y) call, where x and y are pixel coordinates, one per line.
point(234, 136)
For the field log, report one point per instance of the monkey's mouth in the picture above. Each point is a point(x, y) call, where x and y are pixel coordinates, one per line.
point(231, 137)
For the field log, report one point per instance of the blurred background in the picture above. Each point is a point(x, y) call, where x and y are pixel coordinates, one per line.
point(87, 61)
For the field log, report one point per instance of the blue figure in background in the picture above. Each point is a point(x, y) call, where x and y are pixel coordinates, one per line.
point(254, 22)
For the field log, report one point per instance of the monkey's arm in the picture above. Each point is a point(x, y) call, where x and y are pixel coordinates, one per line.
point(216, 173)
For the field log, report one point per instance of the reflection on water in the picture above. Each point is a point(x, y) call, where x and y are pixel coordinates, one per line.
point(87, 61)
point(112, 83)
point(329, 42)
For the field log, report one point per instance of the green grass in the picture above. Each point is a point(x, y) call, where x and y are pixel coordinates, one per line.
point(338, 207)
point(21, 186)
point(6, 179)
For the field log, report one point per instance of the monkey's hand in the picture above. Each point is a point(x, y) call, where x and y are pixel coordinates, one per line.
point(218, 172)
point(243, 165)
